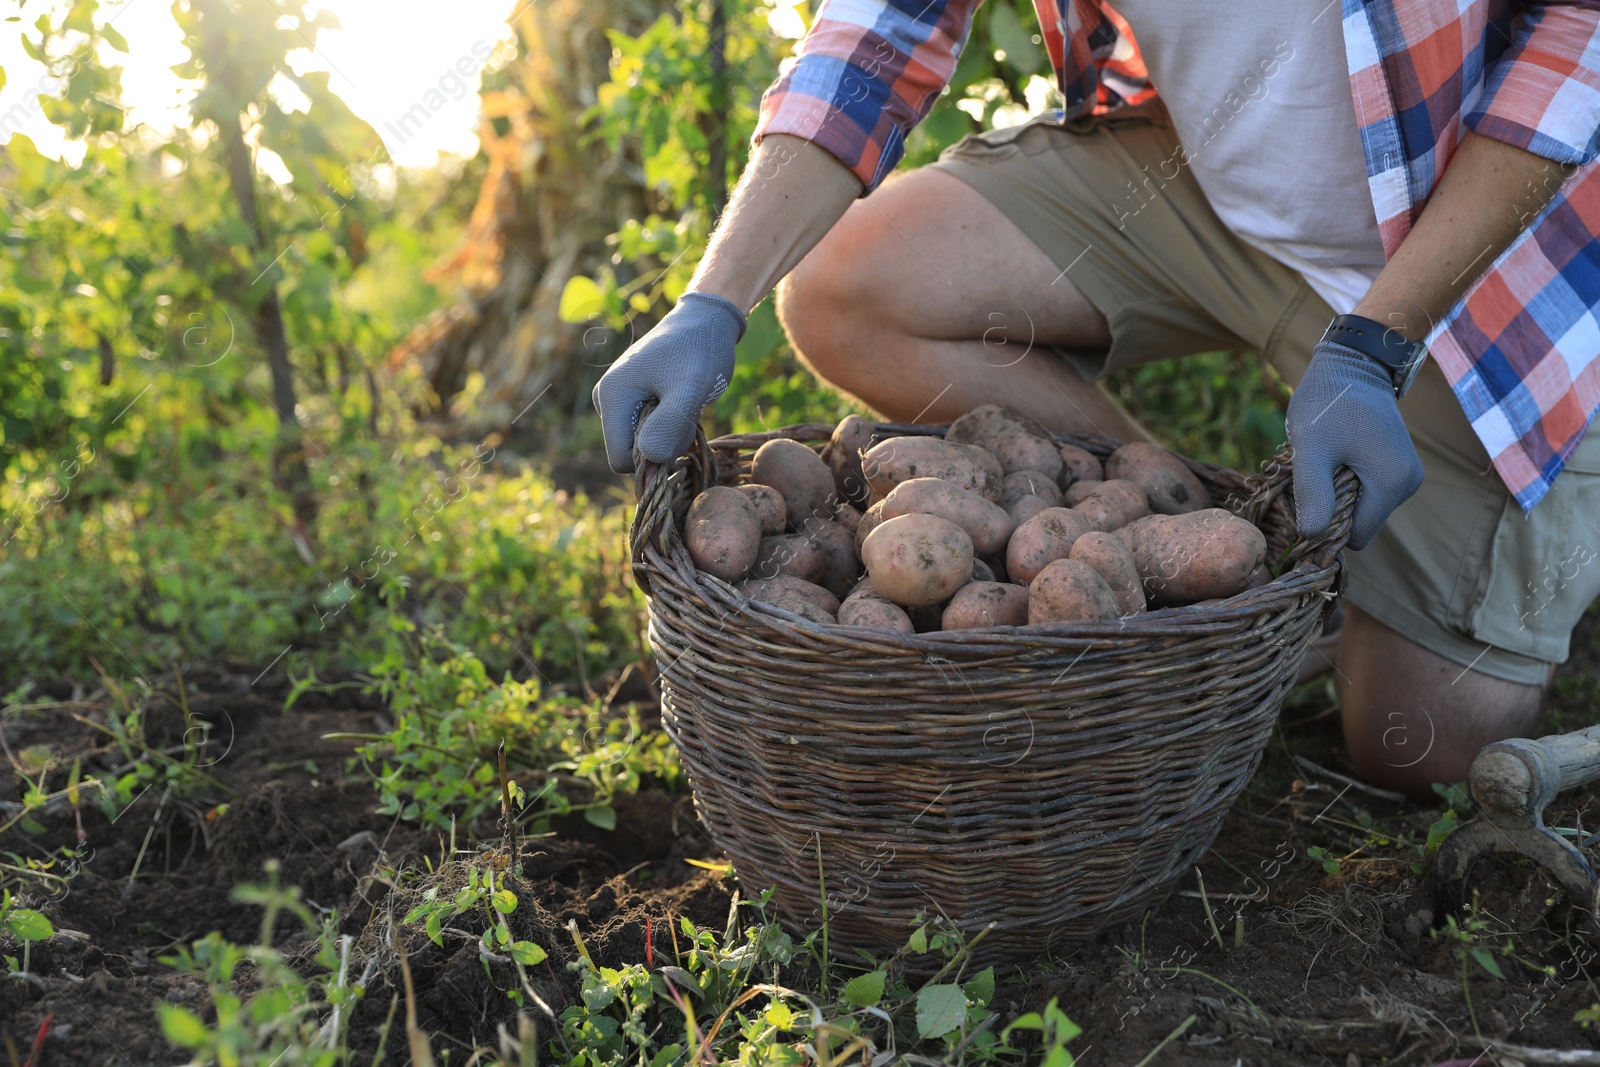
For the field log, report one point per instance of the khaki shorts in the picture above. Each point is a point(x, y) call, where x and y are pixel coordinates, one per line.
point(1458, 568)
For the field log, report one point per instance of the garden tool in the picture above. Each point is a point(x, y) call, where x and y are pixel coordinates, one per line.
point(1511, 782)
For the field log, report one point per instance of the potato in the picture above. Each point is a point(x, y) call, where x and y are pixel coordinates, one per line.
point(899, 459)
point(997, 567)
point(848, 516)
point(1080, 465)
point(1069, 590)
point(1113, 505)
point(876, 612)
point(787, 585)
point(1131, 533)
point(794, 554)
point(1045, 537)
point(770, 508)
point(984, 421)
point(1194, 556)
point(1110, 557)
point(869, 522)
point(922, 618)
point(981, 571)
point(1078, 492)
point(1019, 484)
point(838, 547)
point(799, 476)
point(722, 532)
point(1168, 483)
point(918, 560)
point(863, 587)
point(806, 609)
point(1259, 577)
point(985, 521)
point(1026, 508)
point(1019, 450)
point(1018, 442)
point(851, 437)
point(986, 604)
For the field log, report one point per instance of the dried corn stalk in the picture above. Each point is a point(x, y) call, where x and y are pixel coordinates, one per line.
point(548, 201)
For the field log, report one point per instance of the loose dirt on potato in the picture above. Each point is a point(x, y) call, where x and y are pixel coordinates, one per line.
point(1283, 962)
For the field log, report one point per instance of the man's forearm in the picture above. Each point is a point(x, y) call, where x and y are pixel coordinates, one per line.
point(791, 194)
point(1490, 193)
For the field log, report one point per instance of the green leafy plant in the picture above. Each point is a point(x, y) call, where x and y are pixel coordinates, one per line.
point(496, 937)
point(285, 1018)
point(436, 764)
point(1055, 1031)
point(1472, 942)
point(25, 925)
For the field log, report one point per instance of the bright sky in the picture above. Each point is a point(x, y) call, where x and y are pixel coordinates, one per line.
point(384, 62)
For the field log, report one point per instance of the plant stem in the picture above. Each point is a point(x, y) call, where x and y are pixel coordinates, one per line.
point(1177, 1033)
point(1205, 902)
point(1201, 974)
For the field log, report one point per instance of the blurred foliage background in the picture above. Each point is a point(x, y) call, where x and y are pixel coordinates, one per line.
point(320, 422)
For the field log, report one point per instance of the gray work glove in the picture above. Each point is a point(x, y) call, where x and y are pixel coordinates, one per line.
point(1343, 414)
point(685, 363)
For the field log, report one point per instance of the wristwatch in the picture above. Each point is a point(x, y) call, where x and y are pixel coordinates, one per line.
point(1383, 345)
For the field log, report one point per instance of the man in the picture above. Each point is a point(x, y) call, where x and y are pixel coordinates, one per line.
point(1420, 169)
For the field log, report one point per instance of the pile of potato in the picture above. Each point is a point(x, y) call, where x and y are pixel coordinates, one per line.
point(992, 525)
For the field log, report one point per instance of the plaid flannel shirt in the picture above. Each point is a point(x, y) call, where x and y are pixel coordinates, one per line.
point(1519, 349)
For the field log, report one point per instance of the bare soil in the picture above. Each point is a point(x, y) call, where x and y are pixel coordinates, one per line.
point(1294, 965)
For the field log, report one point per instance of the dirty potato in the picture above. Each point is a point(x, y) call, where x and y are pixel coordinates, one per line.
point(869, 522)
point(1110, 557)
point(851, 437)
point(794, 554)
point(722, 532)
point(1019, 484)
point(918, 560)
point(1070, 591)
point(838, 547)
point(985, 521)
point(848, 516)
point(1113, 505)
point(986, 604)
point(1047, 536)
point(1027, 507)
point(799, 476)
point(1078, 492)
point(769, 505)
point(876, 612)
point(1198, 555)
point(1168, 483)
point(899, 459)
point(787, 585)
point(1078, 465)
point(801, 606)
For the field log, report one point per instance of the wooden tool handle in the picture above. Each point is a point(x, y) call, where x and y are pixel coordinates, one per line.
point(1517, 778)
point(1577, 754)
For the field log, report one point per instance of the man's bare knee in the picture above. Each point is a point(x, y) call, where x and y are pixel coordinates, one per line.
point(1412, 717)
point(825, 305)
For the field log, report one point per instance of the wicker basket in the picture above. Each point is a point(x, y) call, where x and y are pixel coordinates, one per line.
point(1050, 781)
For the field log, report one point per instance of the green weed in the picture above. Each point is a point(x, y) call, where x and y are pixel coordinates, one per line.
point(438, 762)
point(286, 1018)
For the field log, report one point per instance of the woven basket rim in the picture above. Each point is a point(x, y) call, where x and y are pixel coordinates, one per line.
point(1313, 558)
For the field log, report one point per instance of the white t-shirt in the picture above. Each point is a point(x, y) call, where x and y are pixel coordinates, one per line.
point(1259, 94)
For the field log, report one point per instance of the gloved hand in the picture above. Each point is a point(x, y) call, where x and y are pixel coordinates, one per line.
point(1343, 413)
point(685, 363)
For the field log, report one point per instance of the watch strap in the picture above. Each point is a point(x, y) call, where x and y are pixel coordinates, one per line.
point(1382, 344)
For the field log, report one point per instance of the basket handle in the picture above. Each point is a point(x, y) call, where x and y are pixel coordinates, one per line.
point(1276, 483)
point(653, 520)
